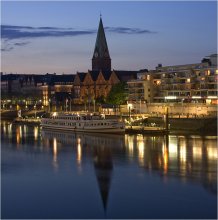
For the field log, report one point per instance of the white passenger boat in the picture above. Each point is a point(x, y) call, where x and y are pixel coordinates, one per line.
point(83, 122)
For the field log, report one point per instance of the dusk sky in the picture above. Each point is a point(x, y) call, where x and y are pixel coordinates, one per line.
point(57, 36)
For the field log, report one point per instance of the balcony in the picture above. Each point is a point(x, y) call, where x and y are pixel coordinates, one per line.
point(212, 93)
point(212, 86)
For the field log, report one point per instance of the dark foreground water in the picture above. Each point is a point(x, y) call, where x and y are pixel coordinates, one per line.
point(48, 174)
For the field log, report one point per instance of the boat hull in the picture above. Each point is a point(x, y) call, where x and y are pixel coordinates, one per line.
point(89, 130)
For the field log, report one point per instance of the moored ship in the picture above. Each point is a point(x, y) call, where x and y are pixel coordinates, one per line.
point(83, 123)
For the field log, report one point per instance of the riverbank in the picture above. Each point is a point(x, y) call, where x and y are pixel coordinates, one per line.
point(203, 125)
point(187, 125)
point(12, 114)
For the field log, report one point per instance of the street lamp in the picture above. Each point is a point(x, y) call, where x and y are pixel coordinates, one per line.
point(66, 101)
point(89, 100)
point(35, 110)
point(3, 105)
point(49, 105)
point(85, 104)
point(94, 104)
point(70, 103)
point(129, 108)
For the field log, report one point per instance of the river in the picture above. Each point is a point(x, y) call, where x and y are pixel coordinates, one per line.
point(48, 174)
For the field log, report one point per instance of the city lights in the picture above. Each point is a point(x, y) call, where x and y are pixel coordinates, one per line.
point(109, 110)
point(170, 97)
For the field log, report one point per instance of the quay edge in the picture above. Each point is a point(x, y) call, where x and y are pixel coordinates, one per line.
point(187, 125)
point(206, 125)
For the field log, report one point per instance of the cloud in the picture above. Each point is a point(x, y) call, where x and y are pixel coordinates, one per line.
point(126, 30)
point(5, 49)
point(15, 27)
point(21, 43)
point(11, 33)
point(17, 32)
point(8, 45)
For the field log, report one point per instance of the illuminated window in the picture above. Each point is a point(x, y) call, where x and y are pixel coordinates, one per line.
point(208, 72)
point(158, 82)
point(188, 80)
point(148, 77)
point(216, 71)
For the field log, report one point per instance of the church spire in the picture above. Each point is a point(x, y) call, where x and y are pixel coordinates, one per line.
point(101, 57)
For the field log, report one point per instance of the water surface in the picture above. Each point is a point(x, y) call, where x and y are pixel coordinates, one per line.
point(47, 174)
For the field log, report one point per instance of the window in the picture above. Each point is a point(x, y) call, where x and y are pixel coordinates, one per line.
point(148, 77)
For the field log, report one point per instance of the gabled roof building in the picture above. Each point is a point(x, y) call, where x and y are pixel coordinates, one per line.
point(98, 82)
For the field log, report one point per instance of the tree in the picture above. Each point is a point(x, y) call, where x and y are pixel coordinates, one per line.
point(117, 95)
point(100, 100)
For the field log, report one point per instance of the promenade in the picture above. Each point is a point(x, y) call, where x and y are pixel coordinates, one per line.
point(177, 122)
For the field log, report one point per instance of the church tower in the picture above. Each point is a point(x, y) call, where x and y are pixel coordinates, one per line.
point(101, 58)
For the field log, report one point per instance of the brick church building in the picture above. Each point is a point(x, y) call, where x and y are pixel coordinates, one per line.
point(98, 82)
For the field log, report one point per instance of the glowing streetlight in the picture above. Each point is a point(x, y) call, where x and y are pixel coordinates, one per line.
point(130, 108)
point(35, 110)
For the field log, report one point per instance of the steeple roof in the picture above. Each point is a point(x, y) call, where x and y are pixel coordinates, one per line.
point(101, 48)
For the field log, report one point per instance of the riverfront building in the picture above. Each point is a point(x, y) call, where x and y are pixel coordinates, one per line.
point(97, 83)
point(181, 83)
point(190, 83)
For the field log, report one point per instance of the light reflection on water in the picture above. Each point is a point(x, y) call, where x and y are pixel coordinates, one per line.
point(190, 160)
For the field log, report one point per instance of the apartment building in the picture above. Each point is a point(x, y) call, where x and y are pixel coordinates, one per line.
point(141, 89)
point(196, 83)
point(188, 83)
